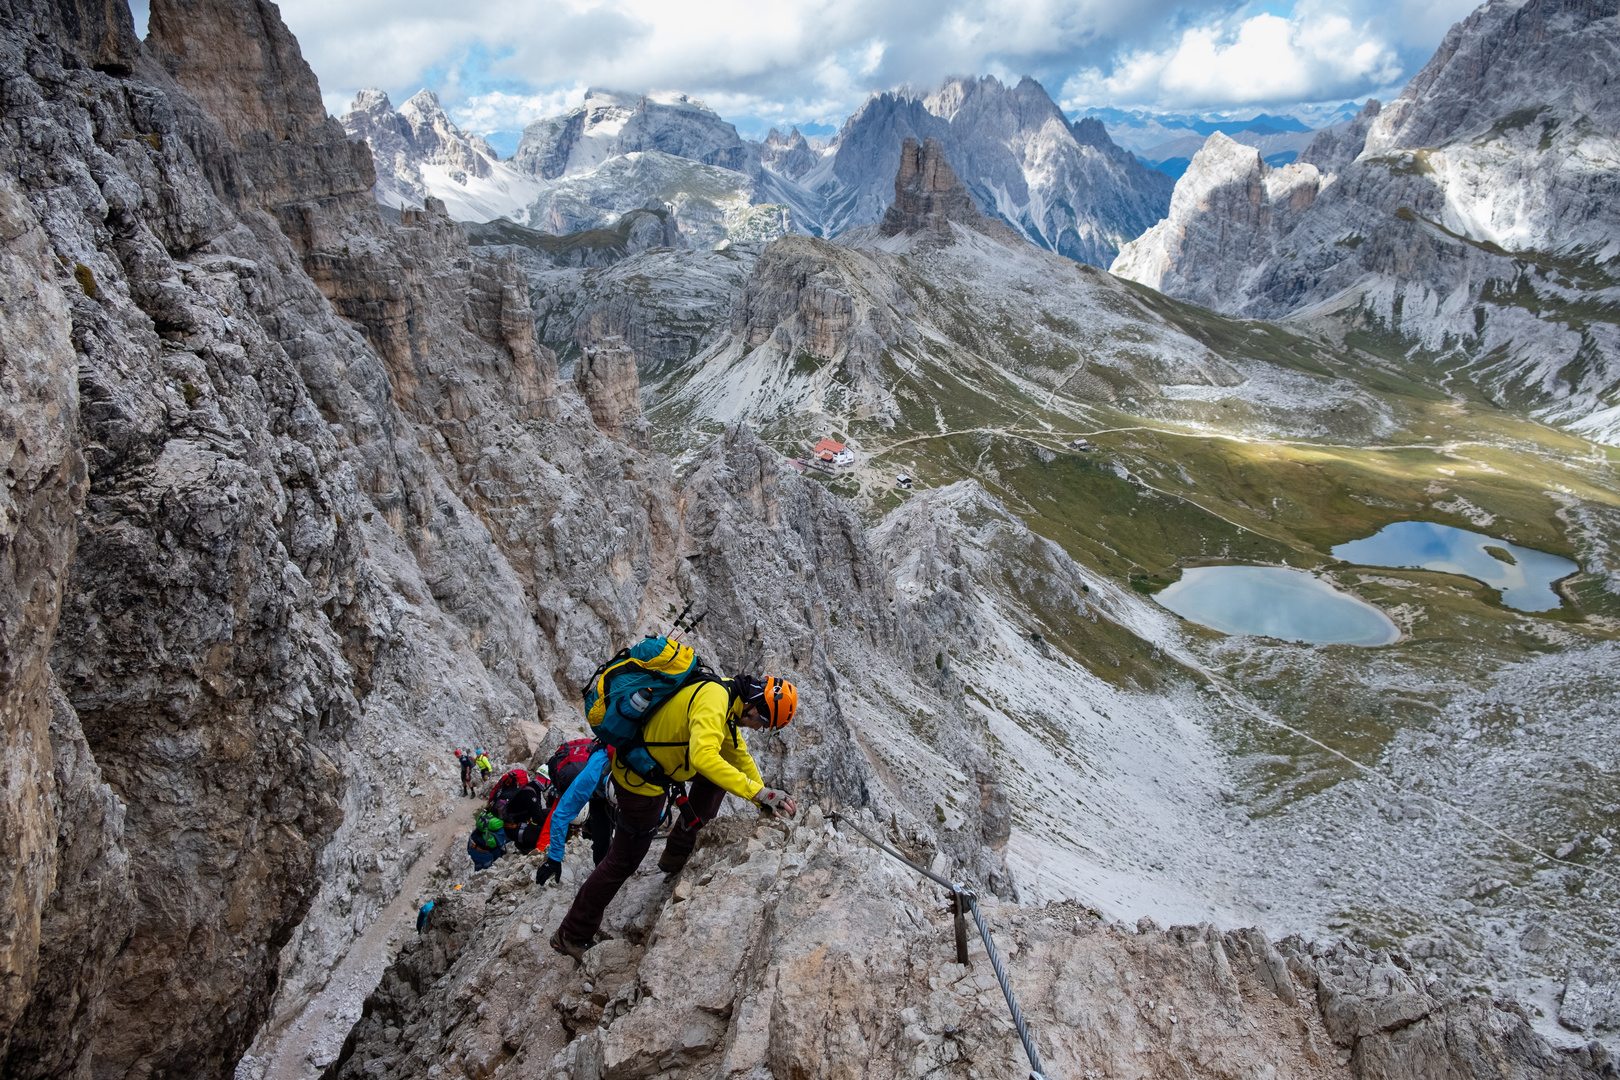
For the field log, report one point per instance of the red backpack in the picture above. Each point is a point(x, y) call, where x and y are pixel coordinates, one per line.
point(505, 788)
point(566, 761)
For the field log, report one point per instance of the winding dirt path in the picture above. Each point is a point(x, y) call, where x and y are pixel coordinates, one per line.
point(309, 1043)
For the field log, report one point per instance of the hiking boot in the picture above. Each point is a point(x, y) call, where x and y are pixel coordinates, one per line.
point(565, 947)
point(672, 864)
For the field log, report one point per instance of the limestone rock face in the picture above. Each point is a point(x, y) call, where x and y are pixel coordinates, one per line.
point(796, 949)
point(245, 70)
point(1441, 217)
point(1243, 208)
point(606, 378)
point(86, 921)
point(44, 487)
point(305, 543)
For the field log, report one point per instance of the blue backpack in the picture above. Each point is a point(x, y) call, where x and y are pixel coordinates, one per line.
point(624, 693)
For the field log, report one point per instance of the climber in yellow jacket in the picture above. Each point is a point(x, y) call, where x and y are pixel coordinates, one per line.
point(694, 736)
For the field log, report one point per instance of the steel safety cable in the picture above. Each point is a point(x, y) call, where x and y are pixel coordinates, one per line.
point(965, 897)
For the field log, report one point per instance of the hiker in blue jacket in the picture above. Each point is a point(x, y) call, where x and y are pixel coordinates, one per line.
point(586, 786)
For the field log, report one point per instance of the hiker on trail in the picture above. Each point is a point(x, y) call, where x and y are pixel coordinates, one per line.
point(487, 841)
point(523, 810)
point(579, 770)
point(692, 736)
point(483, 764)
point(466, 759)
point(422, 916)
point(505, 788)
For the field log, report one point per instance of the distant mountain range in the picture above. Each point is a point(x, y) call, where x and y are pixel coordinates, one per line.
point(1064, 186)
point(1167, 141)
point(1469, 227)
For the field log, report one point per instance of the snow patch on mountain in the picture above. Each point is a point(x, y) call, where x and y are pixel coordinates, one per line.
point(419, 153)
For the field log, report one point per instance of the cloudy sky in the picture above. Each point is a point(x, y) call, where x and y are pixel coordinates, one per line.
point(497, 64)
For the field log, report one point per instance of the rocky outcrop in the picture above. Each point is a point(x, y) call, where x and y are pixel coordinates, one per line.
point(44, 489)
point(927, 194)
point(606, 378)
point(796, 949)
point(1243, 208)
point(1467, 222)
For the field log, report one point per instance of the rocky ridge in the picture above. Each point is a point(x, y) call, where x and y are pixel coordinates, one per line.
point(1063, 187)
point(1470, 222)
point(796, 949)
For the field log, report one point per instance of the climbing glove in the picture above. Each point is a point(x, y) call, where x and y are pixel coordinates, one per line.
point(550, 870)
point(775, 801)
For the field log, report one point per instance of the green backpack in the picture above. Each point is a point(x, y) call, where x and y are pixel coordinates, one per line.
point(485, 827)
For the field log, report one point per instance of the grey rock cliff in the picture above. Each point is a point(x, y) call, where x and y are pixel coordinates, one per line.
point(44, 489)
point(276, 575)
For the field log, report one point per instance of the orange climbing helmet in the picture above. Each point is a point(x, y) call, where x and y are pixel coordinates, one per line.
point(776, 699)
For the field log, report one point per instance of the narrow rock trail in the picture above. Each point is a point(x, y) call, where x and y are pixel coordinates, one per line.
point(313, 1040)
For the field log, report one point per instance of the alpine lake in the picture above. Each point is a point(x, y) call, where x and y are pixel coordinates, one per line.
point(1294, 605)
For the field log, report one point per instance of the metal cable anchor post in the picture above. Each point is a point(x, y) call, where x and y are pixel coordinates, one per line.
point(962, 901)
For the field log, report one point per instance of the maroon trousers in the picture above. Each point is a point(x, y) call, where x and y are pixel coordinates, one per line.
point(639, 816)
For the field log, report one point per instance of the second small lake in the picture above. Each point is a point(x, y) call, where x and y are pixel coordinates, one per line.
point(1523, 576)
point(1274, 601)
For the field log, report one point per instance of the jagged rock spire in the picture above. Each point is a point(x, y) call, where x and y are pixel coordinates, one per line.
point(927, 194)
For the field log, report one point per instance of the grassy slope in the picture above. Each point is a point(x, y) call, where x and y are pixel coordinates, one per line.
point(1207, 489)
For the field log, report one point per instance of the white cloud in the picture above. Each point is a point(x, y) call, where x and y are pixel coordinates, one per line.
point(495, 62)
point(793, 51)
point(497, 110)
point(1313, 55)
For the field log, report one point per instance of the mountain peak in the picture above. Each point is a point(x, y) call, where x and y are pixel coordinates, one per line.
point(423, 101)
point(371, 99)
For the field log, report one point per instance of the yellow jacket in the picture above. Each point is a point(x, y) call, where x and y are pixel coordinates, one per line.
point(694, 721)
